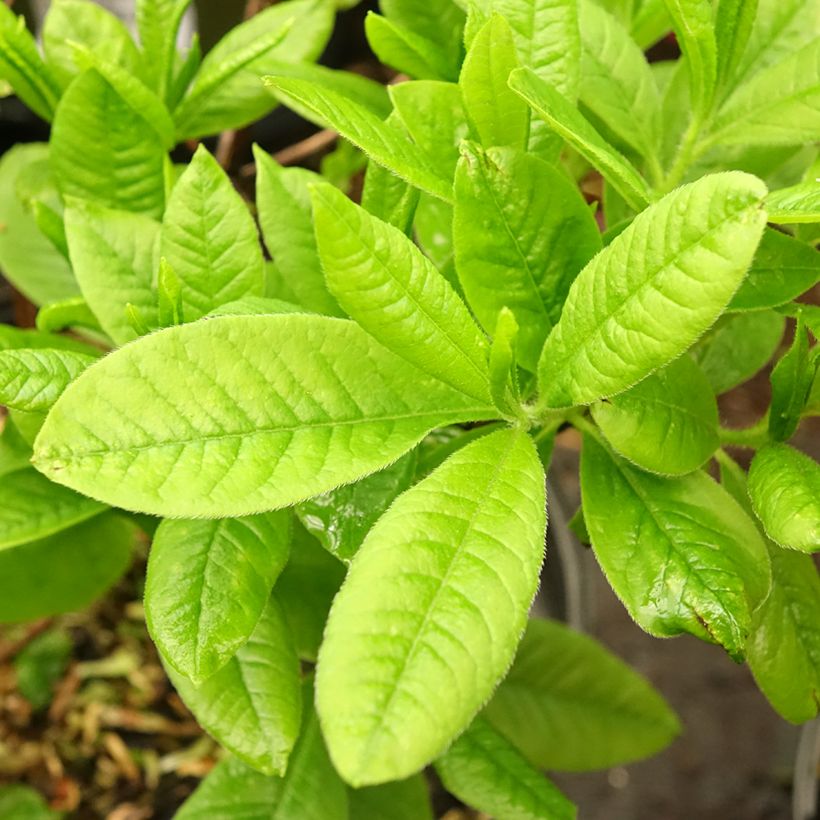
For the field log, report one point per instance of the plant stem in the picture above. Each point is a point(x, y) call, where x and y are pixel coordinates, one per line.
point(581, 422)
point(689, 150)
point(752, 437)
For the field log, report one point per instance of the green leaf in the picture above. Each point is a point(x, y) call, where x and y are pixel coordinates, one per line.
point(401, 800)
point(738, 347)
point(780, 105)
point(616, 82)
point(63, 572)
point(341, 519)
point(71, 23)
point(207, 586)
point(499, 116)
point(654, 290)
point(104, 150)
point(13, 338)
point(784, 649)
point(389, 197)
point(305, 590)
point(15, 453)
point(27, 258)
point(485, 771)
point(32, 380)
point(694, 27)
point(309, 790)
point(734, 20)
point(18, 802)
point(170, 310)
point(433, 228)
point(784, 485)
point(791, 381)
point(68, 313)
point(23, 68)
point(226, 92)
point(668, 423)
point(799, 203)
point(253, 704)
point(158, 23)
point(405, 50)
point(433, 114)
point(33, 508)
point(522, 232)
point(337, 406)
point(395, 293)
point(431, 610)
point(570, 124)
point(256, 306)
point(680, 553)
point(40, 664)
point(383, 143)
point(503, 373)
point(569, 704)
point(783, 268)
point(114, 254)
point(210, 239)
point(283, 206)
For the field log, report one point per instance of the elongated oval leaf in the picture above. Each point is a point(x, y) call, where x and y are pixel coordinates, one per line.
point(309, 790)
point(668, 423)
point(33, 380)
point(784, 649)
point(210, 240)
point(253, 704)
point(172, 424)
point(569, 704)
point(33, 507)
point(654, 290)
point(522, 232)
point(207, 586)
point(114, 255)
point(679, 552)
point(431, 610)
point(784, 485)
point(400, 800)
point(484, 770)
point(395, 293)
point(799, 203)
point(566, 121)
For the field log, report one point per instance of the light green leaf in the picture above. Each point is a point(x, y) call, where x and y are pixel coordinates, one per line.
point(305, 590)
point(114, 255)
point(253, 704)
point(791, 381)
point(63, 572)
point(784, 649)
point(210, 239)
point(337, 406)
point(503, 368)
point(784, 485)
point(15, 454)
point(433, 114)
point(71, 23)
point(431, 610)
point(522, 231)
point(226, 92)
point(400, 800)
point(694, 27)
point(738, 347)
point(499, 116)
point(668, 423)
point(799, 203)
point(383, 143)
point(488, 773)
point(27, 258)
point(104, 150)
point(569, 704)
point(256, 306)
point(170, 310)
point(616, 82)
point(570, 124)
point(778, 106)
point(32, 508)
point(389, 197)
point(158, 23)
point(654, 290)
point(309, 790)
point(734, 20)
point(680, 553)
point(433, 227)
point(33, 380)
point(23, 68)
point(393, 291)
point(207, 586)
point(341, 519)
point(283, 206)
point(69, 313)
point(13, 338)
point(782, 269)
